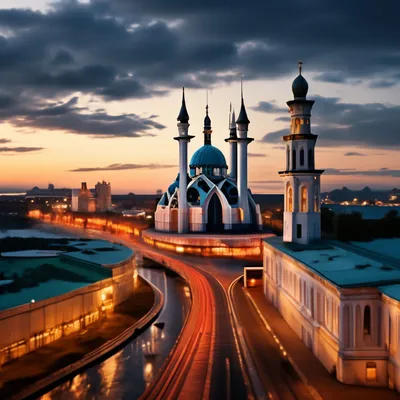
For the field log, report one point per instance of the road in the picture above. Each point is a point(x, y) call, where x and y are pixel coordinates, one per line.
point(276, 373)
point(206, 361)
point(209, 359)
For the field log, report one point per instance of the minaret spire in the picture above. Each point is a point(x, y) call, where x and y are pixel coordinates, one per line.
point(207, 126)
point(242, 119)
point(300, 63)
point(183, 116)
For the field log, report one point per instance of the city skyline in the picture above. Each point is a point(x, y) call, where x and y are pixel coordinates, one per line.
point(82, 115)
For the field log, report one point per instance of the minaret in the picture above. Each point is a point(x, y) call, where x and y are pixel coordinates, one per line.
point(301, 218)
point(232, 140)
point(183, 139)
point(242, 142)
point(207, 127)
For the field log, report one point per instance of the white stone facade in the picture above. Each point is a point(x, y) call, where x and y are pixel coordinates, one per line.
point(346, 329)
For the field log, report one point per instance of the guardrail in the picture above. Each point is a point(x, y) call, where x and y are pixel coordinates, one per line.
point(100, 352)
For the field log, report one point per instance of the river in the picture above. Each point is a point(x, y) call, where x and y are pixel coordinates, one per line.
point(127, 373)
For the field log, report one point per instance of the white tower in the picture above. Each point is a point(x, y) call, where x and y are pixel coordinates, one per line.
point(232, 140)
point(183, 139)
point(242, 142)
point(301, 218)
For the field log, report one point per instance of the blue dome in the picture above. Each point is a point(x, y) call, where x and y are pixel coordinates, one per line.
point(300, 87)
point(208, 156)
point(174, 185)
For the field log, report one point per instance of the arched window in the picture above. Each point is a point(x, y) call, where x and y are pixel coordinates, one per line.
point(193, 195)
point(316, 197)
point(294, 159)
point(301, 156)
point(287, 158)
point(303, 197)
point(289, 198)
point(367, 320)
point(310, 159)
point(297, 123)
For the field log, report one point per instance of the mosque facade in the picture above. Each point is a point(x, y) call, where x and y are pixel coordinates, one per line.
point(207, 195)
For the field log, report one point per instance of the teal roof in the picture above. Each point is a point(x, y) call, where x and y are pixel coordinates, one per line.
point(300, 87)
point(392, 291)
point(208, 156)
point(341, 267)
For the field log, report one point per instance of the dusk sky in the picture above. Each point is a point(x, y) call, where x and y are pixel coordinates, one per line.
point(90, 90)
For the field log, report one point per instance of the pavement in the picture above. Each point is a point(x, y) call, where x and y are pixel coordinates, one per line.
point(318, 380)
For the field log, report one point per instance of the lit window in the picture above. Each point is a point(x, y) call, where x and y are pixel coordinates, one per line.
point(289, 197)
point(371, 371)
point(303, 206)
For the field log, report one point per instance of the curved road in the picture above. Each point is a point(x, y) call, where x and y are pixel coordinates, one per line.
point(206, 362)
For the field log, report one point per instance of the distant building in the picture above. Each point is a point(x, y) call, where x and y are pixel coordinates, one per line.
point(74, 199)
point(86, 202)
point(103, 196)
point(48, 199)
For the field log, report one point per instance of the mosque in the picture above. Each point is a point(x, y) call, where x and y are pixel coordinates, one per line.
point(208, 199)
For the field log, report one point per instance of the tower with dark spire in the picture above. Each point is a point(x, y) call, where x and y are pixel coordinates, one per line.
point(242, 179)
point(183, 139)
point(301, 218)
point(232, 140)
point(207, 127)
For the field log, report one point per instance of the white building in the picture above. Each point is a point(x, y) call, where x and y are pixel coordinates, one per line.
point(344, 306)
point(208, 200)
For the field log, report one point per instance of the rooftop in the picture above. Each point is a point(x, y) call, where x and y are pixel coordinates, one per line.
point(392, 291)
point(341, 267)
point(100, 252)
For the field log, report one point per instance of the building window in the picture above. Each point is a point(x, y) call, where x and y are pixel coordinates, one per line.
point(367, 320)
point(310, 159)
point(294, 159)
point(289, 198)
point(297, 123)
point(316, 197)
point(371, 371)
point(301, 156)
point(303, 204)
point(298, 231)
point(287, 158)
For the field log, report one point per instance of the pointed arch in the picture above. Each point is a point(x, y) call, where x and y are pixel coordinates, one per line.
point(173, 200)
point(224, 203)
point(301, 156)
point(367, 321)
point(303, 198)
point(289, 197)
point(297, 125)
point(293, 159)
point(287, 158)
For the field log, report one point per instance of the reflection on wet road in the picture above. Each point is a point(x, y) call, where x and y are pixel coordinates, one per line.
point(128, 372)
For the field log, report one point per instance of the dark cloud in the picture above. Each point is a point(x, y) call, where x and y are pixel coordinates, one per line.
point(120, 49)
point(70, 118)
point(257, 155)
point(269, 107)
point(355, 153)
point(349, 124)
point(4, 141)
point(120, 167)
point(16, 150)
